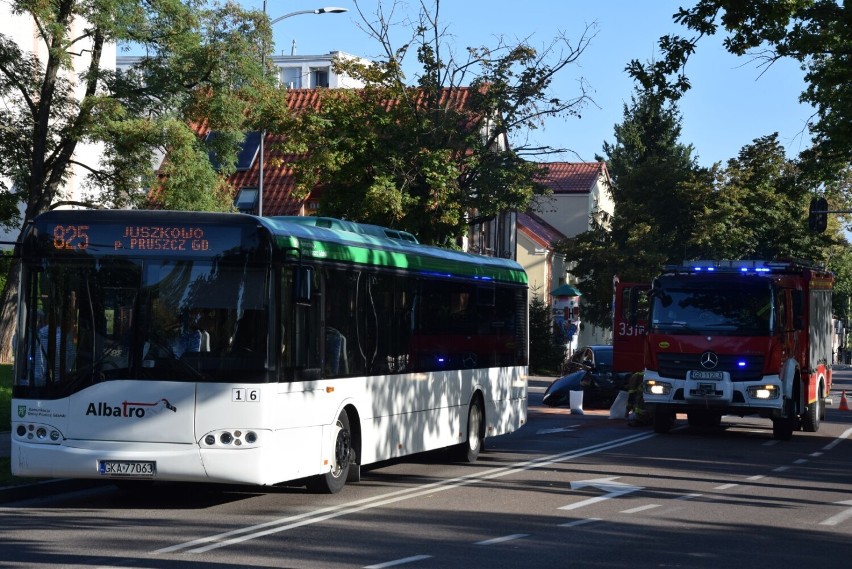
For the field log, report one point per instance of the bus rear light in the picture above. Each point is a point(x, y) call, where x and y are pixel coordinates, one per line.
point(226, 438)
point(764, 392)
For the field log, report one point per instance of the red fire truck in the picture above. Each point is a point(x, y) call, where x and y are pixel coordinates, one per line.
point(730, 338)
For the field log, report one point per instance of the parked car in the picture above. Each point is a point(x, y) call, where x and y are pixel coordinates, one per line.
point(589, 368)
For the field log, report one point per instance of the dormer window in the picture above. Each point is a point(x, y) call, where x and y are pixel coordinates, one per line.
point(246, 200)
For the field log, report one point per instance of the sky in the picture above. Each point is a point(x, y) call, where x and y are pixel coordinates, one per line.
point(732, 101)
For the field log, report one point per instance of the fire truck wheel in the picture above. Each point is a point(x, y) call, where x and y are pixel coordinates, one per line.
point(663, 421)
point(813, 415)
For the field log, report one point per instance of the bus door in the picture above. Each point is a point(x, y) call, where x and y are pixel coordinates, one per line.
point(630, 325)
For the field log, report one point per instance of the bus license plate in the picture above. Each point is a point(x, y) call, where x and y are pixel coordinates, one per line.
point(711, 375)
point(132, 468)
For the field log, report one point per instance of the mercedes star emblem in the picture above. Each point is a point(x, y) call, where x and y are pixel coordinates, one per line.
point(709, 360)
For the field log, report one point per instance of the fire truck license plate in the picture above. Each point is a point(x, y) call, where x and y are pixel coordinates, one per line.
point(134, 468)
point(712, 375)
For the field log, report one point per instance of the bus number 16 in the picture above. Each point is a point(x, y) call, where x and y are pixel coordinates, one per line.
point(243, 395)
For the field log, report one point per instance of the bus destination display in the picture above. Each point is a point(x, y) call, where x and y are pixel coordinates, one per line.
point(140, 238)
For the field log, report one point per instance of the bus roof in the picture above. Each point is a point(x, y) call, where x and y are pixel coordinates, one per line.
point(362, 244)
point(324, 239)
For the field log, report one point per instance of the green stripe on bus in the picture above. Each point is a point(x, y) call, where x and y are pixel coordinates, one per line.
point(328, 251)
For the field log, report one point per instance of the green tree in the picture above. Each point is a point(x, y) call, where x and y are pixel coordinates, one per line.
point(752, 208)
point(816, 33)
point(657, 189)
point(201, 63)
point(546, 355)
point(757, 209)
point(422, 155)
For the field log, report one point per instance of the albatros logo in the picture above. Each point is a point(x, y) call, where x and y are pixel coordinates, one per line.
point(129, 409)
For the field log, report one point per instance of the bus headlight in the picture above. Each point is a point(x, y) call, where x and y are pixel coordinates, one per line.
point(230, 439)
point(764, 392)
point(654, 387)
point(38, 433)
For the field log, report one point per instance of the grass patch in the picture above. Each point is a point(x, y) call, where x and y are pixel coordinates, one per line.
point(5, 397)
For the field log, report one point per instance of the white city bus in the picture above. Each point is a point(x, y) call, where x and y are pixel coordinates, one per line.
point(176, 346)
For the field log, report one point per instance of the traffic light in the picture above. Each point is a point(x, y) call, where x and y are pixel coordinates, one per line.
point(818, 215)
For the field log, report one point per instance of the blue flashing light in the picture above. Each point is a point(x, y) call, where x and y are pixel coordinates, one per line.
point(762, 269)
point(741, 363)
point(743, 269)
point(441, 360)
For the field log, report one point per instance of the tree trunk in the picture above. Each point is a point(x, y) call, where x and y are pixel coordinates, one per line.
point(9, 311)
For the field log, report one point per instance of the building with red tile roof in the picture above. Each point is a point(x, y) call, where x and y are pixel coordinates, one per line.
point(580, 193)
point(279, 197)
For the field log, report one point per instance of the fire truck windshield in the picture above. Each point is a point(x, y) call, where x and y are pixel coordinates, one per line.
point(719, 308)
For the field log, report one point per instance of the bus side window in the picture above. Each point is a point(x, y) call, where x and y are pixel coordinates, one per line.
point(302, 336)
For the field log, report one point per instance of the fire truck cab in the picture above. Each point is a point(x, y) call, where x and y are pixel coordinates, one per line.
point(739, 338)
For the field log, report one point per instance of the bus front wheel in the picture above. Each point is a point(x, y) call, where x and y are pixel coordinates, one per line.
point(333, 481)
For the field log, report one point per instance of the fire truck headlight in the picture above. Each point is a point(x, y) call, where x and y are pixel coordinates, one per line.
point(654, 387)
point(764, 392)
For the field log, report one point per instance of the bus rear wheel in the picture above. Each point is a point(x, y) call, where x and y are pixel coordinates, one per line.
point(333, 481)
point(469, 450)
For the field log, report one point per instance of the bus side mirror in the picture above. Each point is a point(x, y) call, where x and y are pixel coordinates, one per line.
point(302, 284)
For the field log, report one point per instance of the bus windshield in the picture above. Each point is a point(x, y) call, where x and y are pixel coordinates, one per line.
point(87, 320)
point(713, 307)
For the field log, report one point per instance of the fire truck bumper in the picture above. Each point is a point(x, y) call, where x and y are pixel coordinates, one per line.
point(719, 393)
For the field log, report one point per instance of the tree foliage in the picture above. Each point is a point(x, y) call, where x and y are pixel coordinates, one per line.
point(816, 33)
point(546, 355)
point(201, 63)
point(422, 155)
point(656, 187)
point(668, 209)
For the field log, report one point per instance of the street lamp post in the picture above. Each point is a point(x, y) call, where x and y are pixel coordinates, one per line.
point(327, 10)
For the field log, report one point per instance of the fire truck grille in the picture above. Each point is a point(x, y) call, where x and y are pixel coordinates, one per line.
point(741, 368)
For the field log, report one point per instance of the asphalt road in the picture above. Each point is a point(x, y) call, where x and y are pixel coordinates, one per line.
point(565, 491)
